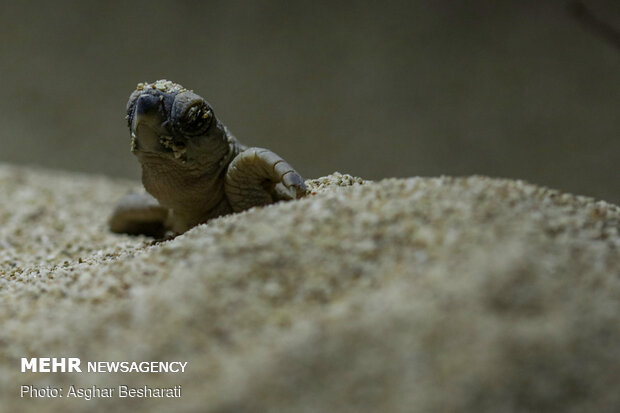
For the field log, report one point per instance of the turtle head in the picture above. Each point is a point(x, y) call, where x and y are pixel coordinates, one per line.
point(167, 120)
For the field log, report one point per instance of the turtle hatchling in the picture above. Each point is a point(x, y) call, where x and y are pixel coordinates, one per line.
point(193, 168)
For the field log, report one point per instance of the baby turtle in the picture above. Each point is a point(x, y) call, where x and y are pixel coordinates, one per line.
point(193, 167)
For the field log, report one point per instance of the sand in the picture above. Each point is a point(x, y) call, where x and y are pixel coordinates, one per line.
point(404, 295)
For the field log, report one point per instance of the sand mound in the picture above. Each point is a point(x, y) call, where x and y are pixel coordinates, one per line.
point(405, 295)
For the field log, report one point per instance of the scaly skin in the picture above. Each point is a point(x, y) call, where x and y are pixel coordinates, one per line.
point(193, 166)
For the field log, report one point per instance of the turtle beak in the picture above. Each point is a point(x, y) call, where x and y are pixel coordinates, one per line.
point(148, 110)
point(146, 124)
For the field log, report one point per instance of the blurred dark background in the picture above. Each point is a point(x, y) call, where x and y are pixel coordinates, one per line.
point(377, 89)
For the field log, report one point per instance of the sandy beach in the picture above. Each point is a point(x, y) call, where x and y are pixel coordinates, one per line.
point(421, 294)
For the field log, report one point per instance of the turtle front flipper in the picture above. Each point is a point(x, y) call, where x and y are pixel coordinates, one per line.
point(258, 176)
point(139, 213)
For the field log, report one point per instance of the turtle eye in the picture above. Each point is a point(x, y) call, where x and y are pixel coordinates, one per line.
point(196, 118)
point(191, 115)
